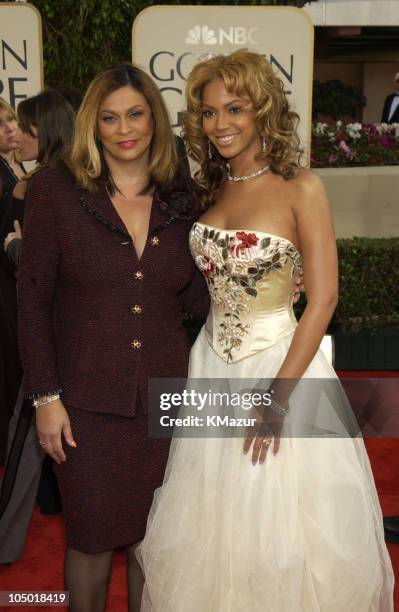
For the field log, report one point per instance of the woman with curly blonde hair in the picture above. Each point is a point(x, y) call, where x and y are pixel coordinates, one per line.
point(289, 519)
point(250, 76)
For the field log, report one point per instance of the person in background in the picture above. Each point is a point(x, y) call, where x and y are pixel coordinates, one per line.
point(46, 121)
point(46, 129)
point(390, 113)
point(11, 170)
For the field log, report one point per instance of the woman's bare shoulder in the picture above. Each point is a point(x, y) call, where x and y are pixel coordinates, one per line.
point(309, 190)
point(308, 180)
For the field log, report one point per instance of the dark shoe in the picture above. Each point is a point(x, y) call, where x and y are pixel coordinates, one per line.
point(391, 527)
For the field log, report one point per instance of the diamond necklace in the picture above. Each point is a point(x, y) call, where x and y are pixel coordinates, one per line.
point(245, 177)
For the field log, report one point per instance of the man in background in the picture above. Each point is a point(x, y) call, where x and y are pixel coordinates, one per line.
point(390, 114)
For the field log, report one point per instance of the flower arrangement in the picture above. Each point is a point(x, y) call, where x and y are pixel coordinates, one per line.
point(336, 145)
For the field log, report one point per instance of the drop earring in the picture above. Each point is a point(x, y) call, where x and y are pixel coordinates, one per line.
point(263, 144)
point(209, 150)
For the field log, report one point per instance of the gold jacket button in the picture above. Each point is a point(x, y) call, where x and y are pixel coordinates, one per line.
point(154, 241)
point(139, 275)
point(136, 309)
point(136, 344)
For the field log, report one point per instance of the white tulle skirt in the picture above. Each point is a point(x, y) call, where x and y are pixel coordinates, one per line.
point(301, 533)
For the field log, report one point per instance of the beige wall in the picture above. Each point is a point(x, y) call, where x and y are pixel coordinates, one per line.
point(377, 85)
point(353, 12)
point(364, 201)
point(348, 73)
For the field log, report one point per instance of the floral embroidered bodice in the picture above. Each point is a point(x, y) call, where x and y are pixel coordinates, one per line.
point(250, 277)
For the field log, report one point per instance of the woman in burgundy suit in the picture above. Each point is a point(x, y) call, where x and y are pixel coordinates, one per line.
point(105, 270)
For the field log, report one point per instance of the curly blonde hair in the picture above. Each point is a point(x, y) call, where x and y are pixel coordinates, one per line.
point(6, 108)
point(250, 76)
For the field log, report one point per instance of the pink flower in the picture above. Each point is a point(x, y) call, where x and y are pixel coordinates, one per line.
point(373, 135)
point(332, 159)
point(386, 141)
point(344, 147)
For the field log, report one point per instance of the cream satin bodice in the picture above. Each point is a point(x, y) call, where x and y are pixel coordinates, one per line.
point(250, 280)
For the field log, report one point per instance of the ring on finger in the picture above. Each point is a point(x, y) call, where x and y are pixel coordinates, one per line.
point(266, 441)
point(42, 443)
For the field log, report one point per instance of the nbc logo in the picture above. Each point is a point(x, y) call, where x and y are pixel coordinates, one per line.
point(201, 34)
point(235, 35)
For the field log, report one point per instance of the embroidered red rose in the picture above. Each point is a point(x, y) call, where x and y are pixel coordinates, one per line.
point(246, 241)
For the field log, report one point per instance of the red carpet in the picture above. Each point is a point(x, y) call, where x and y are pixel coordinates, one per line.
point(41, 566)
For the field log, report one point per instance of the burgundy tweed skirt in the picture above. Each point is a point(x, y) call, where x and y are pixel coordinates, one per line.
point(108, 481)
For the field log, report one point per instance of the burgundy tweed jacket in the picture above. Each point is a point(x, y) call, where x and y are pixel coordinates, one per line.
point(94, 321)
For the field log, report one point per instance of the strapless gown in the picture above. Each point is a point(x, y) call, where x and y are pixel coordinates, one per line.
point(301, 533)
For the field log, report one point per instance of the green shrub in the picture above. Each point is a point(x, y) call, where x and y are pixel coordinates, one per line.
point(334, 99)
point(368, 285)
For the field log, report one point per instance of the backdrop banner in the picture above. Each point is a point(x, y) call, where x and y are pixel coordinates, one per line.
point(168, 40)
point(21, 52)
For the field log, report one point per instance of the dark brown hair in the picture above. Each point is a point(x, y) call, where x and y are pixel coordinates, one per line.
point(53, 117)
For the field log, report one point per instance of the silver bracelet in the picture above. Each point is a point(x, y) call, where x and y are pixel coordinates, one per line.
point(281, 410)
point(46, 399)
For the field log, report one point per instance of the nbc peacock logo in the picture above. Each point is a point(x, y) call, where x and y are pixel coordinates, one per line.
point(201, 34)
point(233, 35)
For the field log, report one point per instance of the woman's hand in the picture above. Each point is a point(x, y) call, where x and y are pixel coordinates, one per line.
point(19, 190)
point(51, 421)
point(13, 235)
point(265, 433)
point(298, 287)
